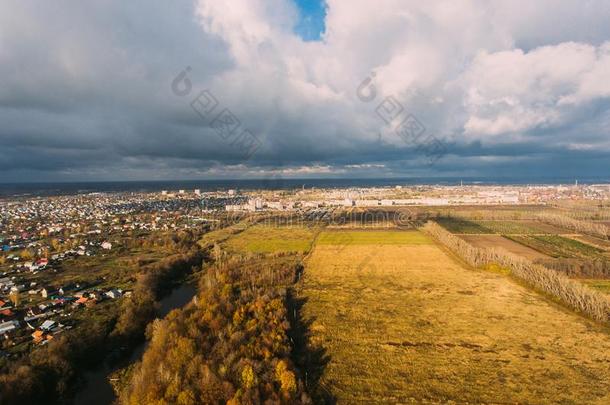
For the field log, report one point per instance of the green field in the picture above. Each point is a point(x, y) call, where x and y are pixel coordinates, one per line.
point(559, 247)
point(373, 238)
point(464, 226)
point(222, 234)
point(456, 225)
point(599, 285)
point(512, 227)
point(272, 239)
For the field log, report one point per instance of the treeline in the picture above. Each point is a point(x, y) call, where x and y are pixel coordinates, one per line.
point(49, 372)
point(153, 280)
point(171, 241)
point(579, 268)
point(570, 292)
point(590, 228)
point(230, 346)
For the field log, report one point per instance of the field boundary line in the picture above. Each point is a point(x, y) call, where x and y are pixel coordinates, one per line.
point(572, 294)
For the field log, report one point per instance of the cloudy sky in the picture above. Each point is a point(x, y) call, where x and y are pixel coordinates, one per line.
point(116, 90)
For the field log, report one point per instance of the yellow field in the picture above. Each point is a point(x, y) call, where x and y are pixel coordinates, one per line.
point(375, 237)
point(222, 234)
point(271, 238)
point(406, 323)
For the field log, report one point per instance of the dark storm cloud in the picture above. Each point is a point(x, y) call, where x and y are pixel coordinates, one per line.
point(86, 90)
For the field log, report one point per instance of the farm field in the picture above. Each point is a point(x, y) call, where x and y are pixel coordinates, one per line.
point(404, 322)
point(499, 241)
point(592, 240)
point(222, 234)
point(272, 238)
point(463, 226)
point(599, 285)
point(360, 225)
point(522, 227)
point(559, 247)
point(377, 237)
point(516, 227)
point(541, 227)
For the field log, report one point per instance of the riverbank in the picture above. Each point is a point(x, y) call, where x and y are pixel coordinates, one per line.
point(97, 389)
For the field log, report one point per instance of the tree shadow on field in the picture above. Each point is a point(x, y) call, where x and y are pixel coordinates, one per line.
point(310, 360)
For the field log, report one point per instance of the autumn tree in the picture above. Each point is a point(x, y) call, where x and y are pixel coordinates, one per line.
point(26, 254)
point(15, 298)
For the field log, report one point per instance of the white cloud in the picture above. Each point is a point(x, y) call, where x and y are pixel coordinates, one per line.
point(479, 72)
point(513, 92)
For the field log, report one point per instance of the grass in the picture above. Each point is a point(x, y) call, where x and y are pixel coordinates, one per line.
point(599, 285)
point(405, 323)
point(115, 268)
point(372, 238)
point(222, 234)
point(456, 225)
point(272, 239)
point(464, 226)
point(513, 227)
point(559, 247)
point(594, 241)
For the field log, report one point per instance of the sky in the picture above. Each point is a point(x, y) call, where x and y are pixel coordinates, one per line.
point(204, 89)
point(310, 21)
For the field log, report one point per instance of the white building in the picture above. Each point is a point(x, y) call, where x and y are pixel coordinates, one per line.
point(47, 325)
point(113, 294)
point(367, 203)
point(9, 326)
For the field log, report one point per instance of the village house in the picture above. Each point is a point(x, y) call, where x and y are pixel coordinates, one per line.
point(9, 326)
point(38, 336)
point(96, 295)
point(34, 311)
point(42, 263)
point(48, 292)
point(17, 288)
point(6, 314)
point(70, 288)
point(49, 325)
point(114, 293)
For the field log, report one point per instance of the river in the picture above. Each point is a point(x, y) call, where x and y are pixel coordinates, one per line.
point(97, 389)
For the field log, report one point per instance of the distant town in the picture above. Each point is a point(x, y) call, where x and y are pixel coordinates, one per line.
point(419, 196)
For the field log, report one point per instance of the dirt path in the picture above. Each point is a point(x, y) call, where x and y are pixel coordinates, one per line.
point(406, 323)
point(489, 241)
